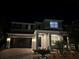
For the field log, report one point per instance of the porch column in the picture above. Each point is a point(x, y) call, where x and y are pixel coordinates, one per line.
point(47, 41)
point(36, 40)
point(49, 35)
point(68, 46)
point(29, 27)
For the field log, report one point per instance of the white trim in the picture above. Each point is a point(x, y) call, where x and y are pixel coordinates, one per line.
point(23, 23)
point(14, 35)
point(52, 32)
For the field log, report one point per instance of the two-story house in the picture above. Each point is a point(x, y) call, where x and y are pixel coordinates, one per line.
point(46, 34)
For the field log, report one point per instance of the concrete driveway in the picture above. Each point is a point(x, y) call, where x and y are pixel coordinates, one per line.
point(16, 53)
point(26, 53)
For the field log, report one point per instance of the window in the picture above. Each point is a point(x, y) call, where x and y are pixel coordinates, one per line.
point(38, 26)
point(13, 26)
point(26, 26)
point(53, 24)
point(16, 26)
point(54, 41)
point(32, 26)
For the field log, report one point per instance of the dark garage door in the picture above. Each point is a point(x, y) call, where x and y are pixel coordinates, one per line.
point(21, 42)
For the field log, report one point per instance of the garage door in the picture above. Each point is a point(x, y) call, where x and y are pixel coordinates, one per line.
point(21, 42)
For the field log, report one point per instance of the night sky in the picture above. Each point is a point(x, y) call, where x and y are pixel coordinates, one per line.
point(37, 11)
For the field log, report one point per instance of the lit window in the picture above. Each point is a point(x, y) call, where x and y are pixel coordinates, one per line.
point(53, 24)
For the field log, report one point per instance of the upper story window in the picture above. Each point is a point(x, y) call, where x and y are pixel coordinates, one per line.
point(26, 26)
point(53, 24)
point(19, 26)
point(32, 26)
point(16, 26)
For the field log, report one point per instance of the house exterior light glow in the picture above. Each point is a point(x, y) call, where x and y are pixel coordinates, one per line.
point(8, 42)
point(8, 39)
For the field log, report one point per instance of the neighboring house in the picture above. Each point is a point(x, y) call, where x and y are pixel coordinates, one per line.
point(46, 34)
